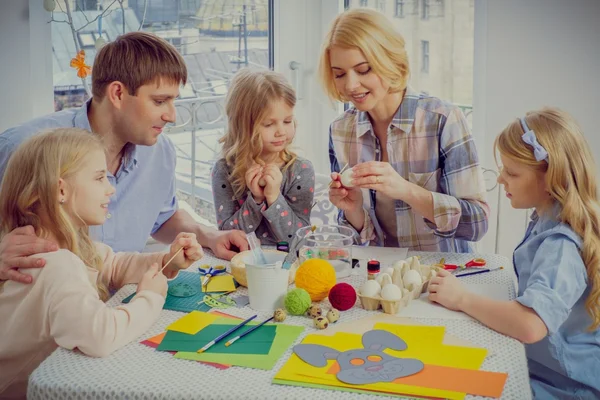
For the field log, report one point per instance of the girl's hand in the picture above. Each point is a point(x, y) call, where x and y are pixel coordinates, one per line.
point(153, 281)
point(346, 199)
point(380, 176)
point(191, 252)
point(273, 177)
point(447, 290)
point(253, 176)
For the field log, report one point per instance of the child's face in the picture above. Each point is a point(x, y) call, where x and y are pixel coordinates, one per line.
point(355, 80)
point(144, 115)
point(90, 191)
point(277, 129)
point(524, 186)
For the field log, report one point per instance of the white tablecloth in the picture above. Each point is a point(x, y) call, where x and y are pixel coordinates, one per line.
point(139, 372)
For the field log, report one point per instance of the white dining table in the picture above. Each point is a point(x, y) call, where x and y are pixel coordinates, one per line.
point(140, 372)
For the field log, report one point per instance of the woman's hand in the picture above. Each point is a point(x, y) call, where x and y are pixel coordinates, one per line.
point(382, 177)
point(346, 199)
point(192, 252)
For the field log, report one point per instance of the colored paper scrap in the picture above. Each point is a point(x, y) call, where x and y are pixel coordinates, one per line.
point(257, 342)
point(285, 336)
point(193, 322)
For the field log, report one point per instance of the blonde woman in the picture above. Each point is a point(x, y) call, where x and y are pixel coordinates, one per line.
point(260, 185)
point(416, 180)
point(56, 183)
point(547, 165)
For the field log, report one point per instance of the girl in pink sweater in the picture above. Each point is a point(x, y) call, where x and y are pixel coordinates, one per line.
point(56, 184)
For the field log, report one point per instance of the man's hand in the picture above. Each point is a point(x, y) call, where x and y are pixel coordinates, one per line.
point(226, 244)
point(15, 249)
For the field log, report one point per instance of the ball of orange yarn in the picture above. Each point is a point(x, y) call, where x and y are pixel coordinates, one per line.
point(317, 277)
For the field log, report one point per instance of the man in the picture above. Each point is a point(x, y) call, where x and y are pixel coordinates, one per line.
point(135, 81)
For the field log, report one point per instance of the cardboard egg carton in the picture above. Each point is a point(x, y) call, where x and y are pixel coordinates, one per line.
point(410, 289)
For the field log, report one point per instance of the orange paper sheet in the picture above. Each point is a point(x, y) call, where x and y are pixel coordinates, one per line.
point(479, 383)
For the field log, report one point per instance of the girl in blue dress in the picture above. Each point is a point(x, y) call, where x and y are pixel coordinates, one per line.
point(547, 165)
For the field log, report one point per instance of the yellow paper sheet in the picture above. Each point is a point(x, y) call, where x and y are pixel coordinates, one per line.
point(424, 343)
point(221, 283)
point(193, 322)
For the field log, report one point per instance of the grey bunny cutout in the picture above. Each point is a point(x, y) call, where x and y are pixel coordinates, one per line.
point(376, 366)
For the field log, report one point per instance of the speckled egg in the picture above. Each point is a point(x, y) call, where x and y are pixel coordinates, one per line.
point(321, 322)
point(314, 311)
point(279, 315)
point(333, 315)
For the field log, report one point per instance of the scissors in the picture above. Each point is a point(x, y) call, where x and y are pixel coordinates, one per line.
point(209, 272)
point(474, 263)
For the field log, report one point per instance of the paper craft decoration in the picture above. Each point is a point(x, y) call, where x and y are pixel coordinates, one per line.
point(193, 301)
point(449, 371)
point(78, 62)
point(362, 366)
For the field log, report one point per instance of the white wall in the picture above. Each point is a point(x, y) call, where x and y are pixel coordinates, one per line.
point(26, 67)
point(529, 54)
point(299, 30)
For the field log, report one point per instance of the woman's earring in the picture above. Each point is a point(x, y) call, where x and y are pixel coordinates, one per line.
point(62, 201)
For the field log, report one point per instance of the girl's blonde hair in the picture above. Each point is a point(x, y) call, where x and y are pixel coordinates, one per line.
point(570, 179)
point(30, 187)
point(251, 94)
point(376, 37)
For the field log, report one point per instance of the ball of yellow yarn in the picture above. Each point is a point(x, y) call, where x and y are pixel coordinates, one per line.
point(317, 277)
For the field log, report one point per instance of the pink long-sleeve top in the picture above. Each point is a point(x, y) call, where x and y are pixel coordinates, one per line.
point(62, 308)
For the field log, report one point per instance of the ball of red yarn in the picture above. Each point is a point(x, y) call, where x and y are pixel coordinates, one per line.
point(342, 296)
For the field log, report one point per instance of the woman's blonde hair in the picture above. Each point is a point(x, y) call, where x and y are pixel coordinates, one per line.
point(251, 94)
point(375, 36)
point(30, 187)
point(570, 179)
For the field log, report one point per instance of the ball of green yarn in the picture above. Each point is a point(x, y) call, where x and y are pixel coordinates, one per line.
point(297, 301)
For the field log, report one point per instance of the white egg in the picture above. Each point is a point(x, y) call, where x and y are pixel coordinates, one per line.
point(49, 5)
point(262, 182)
point(391, 292)
point(347, 178)
point(370, 288)
point(383, 279)
point(412, 277)
point(99, 43)
point(389, 271)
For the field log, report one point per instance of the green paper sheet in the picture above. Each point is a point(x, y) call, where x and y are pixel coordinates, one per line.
point(257, 342)
point(285, 337)
point(183, 304)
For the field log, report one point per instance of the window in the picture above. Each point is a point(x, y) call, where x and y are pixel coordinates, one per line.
point(399, 12)
point(425, 56)
point(364, 3)
point(450, 76)
point(215, 38)
point(86, 40)
point(424, 9)
point(381, 5)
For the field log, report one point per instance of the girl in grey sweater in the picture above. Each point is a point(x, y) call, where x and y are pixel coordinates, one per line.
point(260, 185)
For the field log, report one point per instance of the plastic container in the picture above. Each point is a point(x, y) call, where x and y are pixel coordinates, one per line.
point(328, 242)
point(267, 285)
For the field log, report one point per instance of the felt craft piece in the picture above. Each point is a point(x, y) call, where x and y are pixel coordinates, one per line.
point(189, 303)
point(367, 365)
